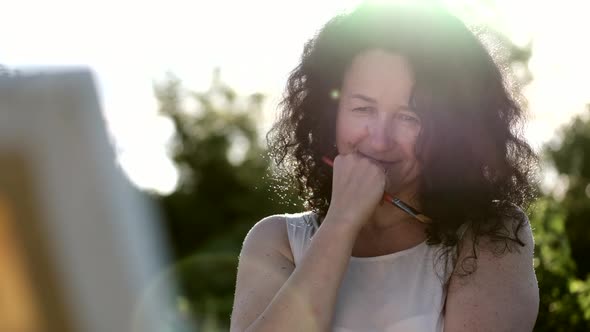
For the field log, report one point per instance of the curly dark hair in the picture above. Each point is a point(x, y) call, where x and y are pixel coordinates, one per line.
point(476, 165)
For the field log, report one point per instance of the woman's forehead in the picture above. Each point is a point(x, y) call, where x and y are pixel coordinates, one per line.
point(378, 75)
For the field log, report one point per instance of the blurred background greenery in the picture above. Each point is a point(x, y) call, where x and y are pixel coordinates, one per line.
point(226, 186)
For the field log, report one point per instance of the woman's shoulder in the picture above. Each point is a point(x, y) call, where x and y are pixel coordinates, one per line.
point(276, 223)
point(510, 217)
point(503, 276)
point(303, 219)
point(270, 229)
point(274, 230)
point(516, 225)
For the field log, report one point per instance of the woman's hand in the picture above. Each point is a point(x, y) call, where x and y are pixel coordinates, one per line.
point(357, 188)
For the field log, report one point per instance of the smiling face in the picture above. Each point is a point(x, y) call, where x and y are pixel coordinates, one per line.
point(375, 118)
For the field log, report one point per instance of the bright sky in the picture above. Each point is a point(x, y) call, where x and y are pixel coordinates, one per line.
point(131, 44)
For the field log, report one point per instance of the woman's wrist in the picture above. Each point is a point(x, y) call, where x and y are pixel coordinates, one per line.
point(343, 223)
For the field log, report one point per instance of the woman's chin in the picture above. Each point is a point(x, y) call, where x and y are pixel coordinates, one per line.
point(394, 189)
point(394, 182)
point(400, 186)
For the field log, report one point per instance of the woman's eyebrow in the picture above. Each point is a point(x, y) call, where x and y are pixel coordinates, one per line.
point(374, 101)
point(406, 108)
point(363, 97)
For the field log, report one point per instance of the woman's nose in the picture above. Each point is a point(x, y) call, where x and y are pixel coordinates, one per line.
point(380, 136)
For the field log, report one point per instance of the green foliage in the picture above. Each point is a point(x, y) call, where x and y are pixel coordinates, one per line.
point(563, 298)
point(572, 159)
point(225, 187)
point(562, 236)
point(206, 277)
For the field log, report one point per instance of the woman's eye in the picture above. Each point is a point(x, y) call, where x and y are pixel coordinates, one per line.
point(362, 109)
point(408, 118)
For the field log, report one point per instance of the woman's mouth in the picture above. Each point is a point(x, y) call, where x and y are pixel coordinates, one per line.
point(384, 163)
point(387, 164)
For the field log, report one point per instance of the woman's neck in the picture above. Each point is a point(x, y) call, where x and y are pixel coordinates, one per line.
point(389, 230)
point(387, 215)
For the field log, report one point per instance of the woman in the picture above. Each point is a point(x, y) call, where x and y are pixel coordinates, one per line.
point(406, 101)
